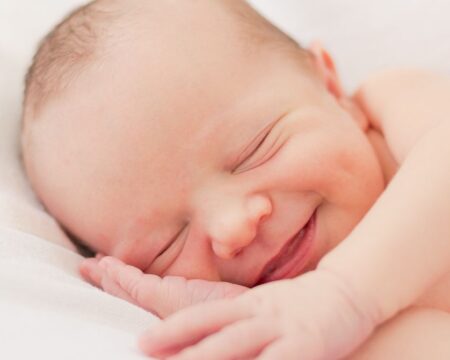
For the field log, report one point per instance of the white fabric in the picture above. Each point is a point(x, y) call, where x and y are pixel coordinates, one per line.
point(46, 310)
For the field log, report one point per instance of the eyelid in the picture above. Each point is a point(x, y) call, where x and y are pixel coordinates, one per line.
point(246, 156)
point(170, 253)
point(271, 151)
point(263, 132)
point(172, 240)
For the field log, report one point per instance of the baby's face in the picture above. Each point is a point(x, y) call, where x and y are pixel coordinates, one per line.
point(204, 167)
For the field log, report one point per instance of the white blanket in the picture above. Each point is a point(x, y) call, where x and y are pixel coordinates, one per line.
point(46, 310)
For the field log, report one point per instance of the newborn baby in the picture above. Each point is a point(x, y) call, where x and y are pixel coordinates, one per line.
point(220, 160)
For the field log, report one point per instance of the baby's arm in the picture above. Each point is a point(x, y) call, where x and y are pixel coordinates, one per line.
point(402, 246)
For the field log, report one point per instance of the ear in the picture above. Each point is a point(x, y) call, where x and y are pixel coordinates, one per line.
point(327, 71)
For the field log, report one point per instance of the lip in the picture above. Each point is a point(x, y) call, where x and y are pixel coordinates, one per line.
point(293, 256)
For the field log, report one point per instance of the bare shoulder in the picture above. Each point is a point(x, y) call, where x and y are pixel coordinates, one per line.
point(404, 104)
point(386, 89)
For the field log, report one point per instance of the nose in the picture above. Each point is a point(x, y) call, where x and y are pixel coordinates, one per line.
point(235, 226)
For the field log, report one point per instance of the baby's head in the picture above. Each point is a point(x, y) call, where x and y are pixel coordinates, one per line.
point(193, 138)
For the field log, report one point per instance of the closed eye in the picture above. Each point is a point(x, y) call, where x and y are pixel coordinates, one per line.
point(169, 254)
point(172, 241)
point(258, 146)
point(248, 162)
point(266, 131)
point(255, 149)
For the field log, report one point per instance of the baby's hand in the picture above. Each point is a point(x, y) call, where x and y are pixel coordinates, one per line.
point(311, 317)
point(161, 296)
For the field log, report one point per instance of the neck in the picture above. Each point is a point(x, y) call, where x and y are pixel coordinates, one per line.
point(387, 161)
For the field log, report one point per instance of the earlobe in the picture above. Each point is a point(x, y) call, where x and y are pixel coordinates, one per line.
point(327, 71)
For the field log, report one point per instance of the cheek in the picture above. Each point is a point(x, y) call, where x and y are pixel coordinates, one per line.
point(354, 183)
point(355, 179)
point(338, 164)
point(319, 161)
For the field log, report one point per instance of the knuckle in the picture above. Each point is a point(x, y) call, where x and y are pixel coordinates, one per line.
point(134, 289)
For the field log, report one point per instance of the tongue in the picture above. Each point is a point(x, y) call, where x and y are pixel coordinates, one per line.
point(279, 263)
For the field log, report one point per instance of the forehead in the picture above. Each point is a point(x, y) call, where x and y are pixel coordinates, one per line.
point(186, 120)
point(188, 84)
point(177, 100)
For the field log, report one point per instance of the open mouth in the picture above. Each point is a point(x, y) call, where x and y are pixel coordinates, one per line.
point(293, 257)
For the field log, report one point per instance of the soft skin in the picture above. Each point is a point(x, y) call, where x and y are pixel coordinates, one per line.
point(159, 149)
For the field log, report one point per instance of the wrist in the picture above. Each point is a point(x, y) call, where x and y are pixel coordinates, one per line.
point(363, 306)
point(340, 319)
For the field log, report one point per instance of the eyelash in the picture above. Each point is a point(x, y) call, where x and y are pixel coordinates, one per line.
point(171, 243)
point(255, 150)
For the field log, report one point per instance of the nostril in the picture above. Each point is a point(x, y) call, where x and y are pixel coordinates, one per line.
point(226, 252)
point(237, 252)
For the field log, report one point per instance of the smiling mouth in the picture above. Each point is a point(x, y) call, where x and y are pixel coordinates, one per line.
point(293, 256)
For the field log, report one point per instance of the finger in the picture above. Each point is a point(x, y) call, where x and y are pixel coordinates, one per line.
point(91, 272)
point(289, 349)
point(143, 289)
point(248, 338)
point(214, 290)
point(97, 275)
point(112, 287)
point(109, 261)
point(137, 284)
point(192, 324)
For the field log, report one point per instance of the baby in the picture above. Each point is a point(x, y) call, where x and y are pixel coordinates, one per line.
point(204, 148)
